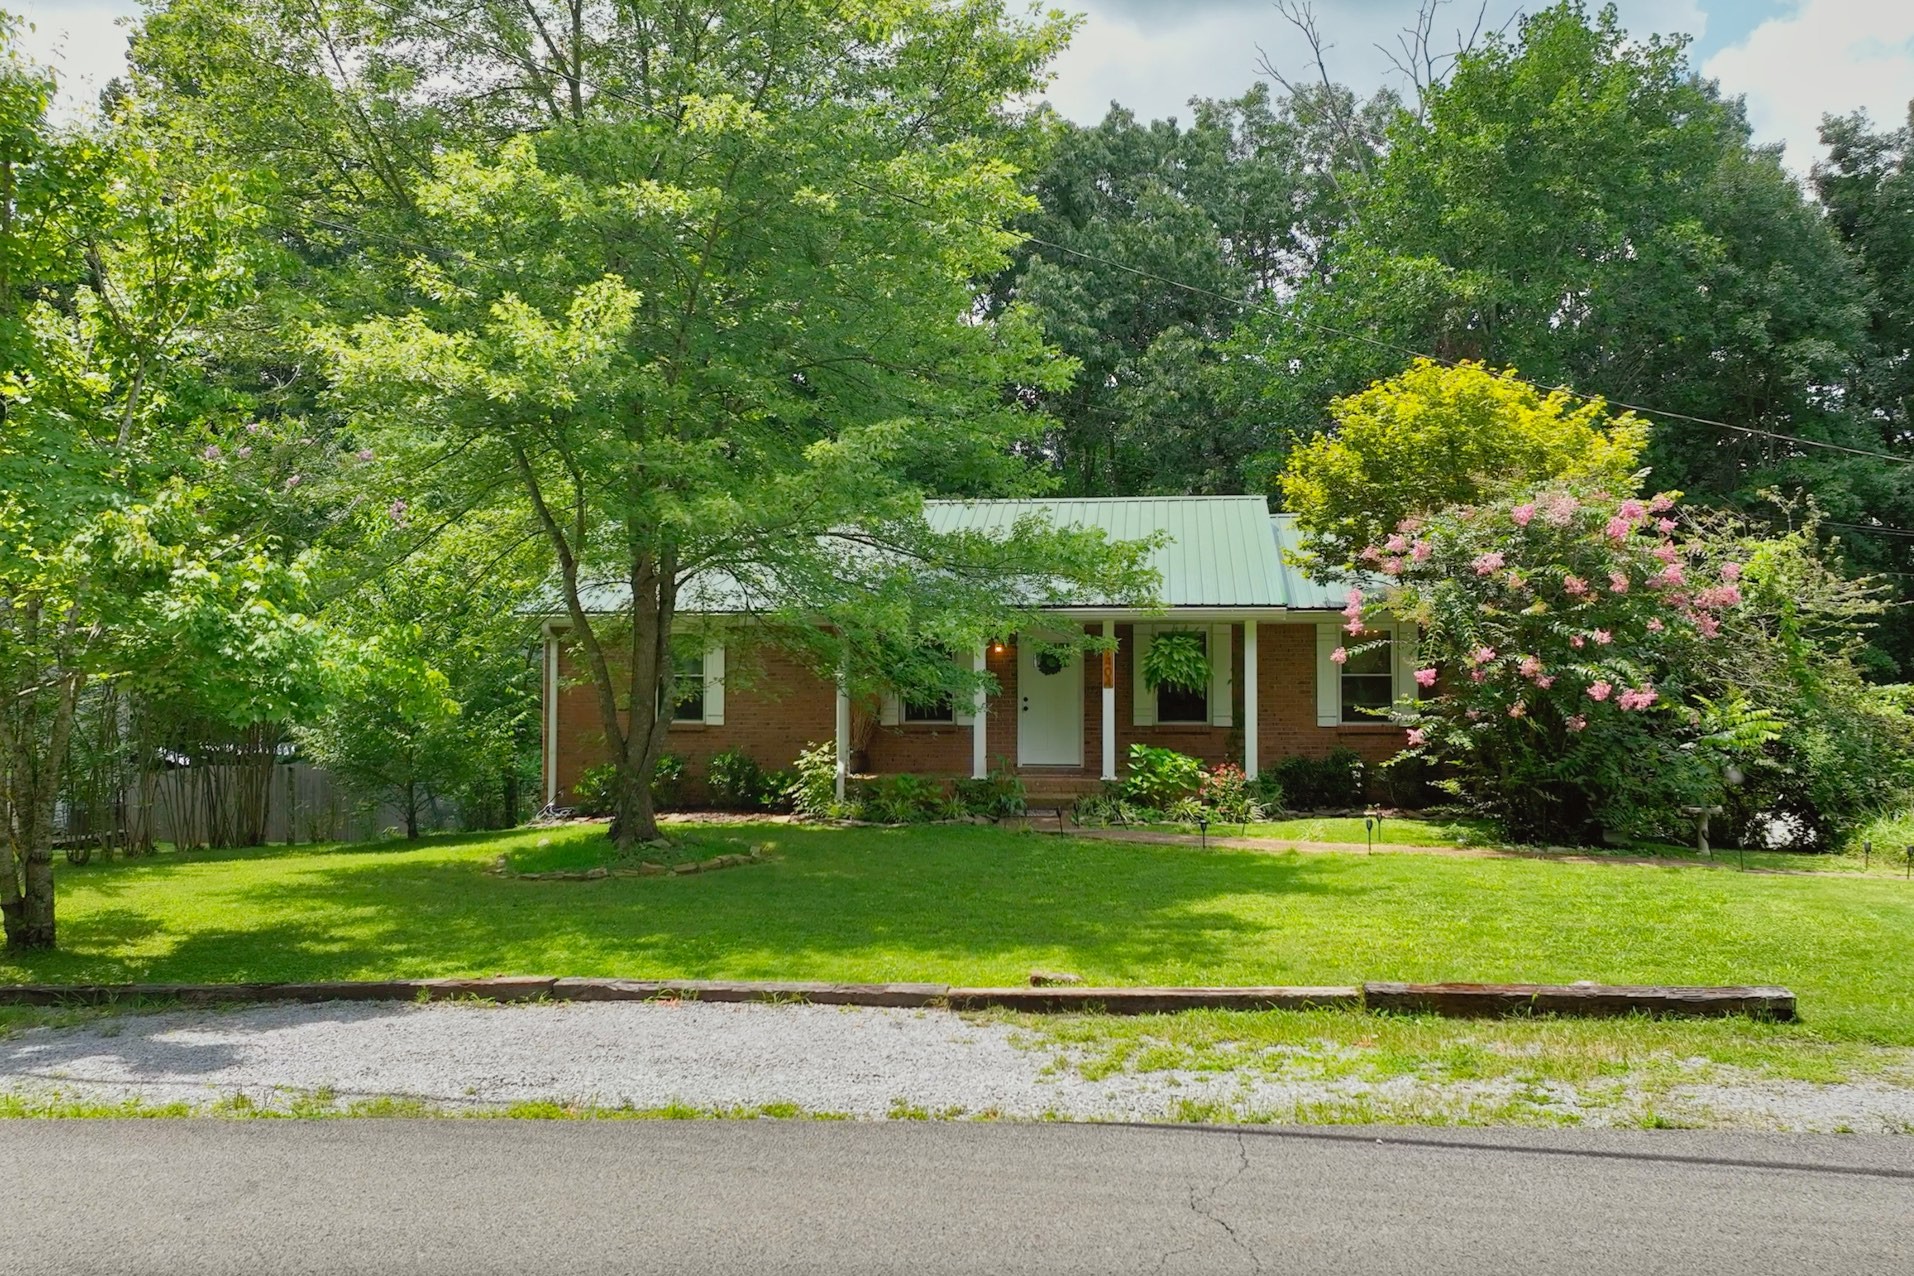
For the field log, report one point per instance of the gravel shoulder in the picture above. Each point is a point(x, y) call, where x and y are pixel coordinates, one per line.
point(817, 1060)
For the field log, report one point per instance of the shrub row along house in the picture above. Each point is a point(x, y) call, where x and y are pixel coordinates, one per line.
point(1268, 634)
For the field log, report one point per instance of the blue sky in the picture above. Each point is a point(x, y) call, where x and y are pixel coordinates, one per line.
point(1791, 60)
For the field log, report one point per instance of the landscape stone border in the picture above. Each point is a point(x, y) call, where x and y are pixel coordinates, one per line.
point(1454, 1000)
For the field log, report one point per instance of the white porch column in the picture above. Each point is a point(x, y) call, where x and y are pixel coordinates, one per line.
point(843, 731)
point(979, 753)
point(1110, 704)
point(1249, 697)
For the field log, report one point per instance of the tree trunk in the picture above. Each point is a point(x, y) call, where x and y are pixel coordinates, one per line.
point(35, 778)
point(411, 811)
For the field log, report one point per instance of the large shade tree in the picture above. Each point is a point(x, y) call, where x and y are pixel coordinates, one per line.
point(691, 287)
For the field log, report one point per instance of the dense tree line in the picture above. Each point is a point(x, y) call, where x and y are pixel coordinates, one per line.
point(1564, 200)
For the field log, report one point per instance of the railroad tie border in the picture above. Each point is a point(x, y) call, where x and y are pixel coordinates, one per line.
point(1453, 1000)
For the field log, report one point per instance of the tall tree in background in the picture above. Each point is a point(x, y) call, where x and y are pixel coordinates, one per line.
point(1867, 187)
point(1239, 205)
point(1579, 205)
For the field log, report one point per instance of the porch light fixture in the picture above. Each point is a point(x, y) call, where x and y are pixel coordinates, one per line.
point(997, 648)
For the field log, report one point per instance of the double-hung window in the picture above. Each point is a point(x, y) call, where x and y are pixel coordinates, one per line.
point(687, 679)
point(1368, 678)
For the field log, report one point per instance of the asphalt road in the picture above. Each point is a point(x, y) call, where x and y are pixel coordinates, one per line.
point(469, 1197)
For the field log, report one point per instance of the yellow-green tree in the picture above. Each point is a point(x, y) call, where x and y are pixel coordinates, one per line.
point(1436, 436)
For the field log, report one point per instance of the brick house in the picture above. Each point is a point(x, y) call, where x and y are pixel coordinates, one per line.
point(1064, 725)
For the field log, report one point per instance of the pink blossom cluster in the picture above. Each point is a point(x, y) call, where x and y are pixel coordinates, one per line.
point(1639, 698)
point(1718, 596)
point(1353, 611)
point(1489, 563)
point(1558, 508)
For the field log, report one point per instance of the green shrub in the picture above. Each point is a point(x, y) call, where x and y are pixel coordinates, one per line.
point(1160, 778)
point(999, 795)
point(1226, 797)
point(777, 789)
point(905, 799)
point(737, 782)
point(596, 792)
point(1316, 784)
point(1099, 810)
point(667, 781)
point(1267, 791)
point(812, 792)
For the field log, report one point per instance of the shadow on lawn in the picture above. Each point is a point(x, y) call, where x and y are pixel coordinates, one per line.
point(942, 905)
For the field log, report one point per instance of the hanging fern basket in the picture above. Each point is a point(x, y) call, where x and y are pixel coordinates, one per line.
point(1179, 661)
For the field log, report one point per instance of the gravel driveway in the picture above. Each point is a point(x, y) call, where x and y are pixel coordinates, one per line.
point(857, 1062)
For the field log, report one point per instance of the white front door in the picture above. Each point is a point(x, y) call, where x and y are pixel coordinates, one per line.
point(1050, 706)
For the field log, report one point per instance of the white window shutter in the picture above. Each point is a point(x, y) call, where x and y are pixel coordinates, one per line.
point(1404, 649)
point(891, 711)
point(1142, 699)
point(962, 710)
point(1222, 652)
point(1328, 676)
point(714, 685)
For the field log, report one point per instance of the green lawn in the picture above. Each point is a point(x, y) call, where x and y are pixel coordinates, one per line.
point(979, 905)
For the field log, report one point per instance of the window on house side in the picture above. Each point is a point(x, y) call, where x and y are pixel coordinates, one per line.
point(938, 709)
point(1179, 705)
point(1368, 679)
point(687, 680)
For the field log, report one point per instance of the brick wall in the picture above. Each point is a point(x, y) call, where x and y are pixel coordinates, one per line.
point(1286, 686)
point(774, 707)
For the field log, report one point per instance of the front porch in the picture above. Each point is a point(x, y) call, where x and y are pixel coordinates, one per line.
point(1063, 725)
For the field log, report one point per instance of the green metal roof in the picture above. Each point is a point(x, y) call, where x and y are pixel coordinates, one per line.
point(1217, 551)
point(1305, 593)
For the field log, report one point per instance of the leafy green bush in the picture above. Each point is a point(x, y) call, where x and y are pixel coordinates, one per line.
point(596, 792)
point(1226, 797)
point(1099, 810)
point(667, 781)
point(905, 799)
point(1333, 782)
point(1160, 778)
point(777, 789)
point(1267, 791)
point(737, 782)
point(999, 795)
point(813, 793)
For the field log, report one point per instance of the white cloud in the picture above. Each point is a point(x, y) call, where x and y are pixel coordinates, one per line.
point(1154, 55)
point(80, 40)
point(1826, 57)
